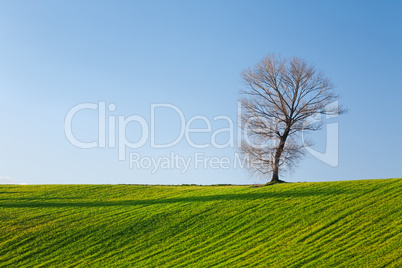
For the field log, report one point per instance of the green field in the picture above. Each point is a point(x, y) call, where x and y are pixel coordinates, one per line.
point(326, 224)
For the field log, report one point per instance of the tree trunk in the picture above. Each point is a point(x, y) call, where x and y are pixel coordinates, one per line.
point(275, 175)
point(275, 170)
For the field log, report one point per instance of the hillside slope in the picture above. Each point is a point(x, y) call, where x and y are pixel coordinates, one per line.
point(346, 224)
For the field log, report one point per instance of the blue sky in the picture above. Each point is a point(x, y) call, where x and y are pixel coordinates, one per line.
point(57, 54)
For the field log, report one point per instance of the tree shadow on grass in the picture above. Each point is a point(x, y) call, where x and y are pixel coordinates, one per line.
point(73, 202)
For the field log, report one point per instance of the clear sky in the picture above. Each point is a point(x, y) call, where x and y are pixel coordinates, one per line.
point(55, 55)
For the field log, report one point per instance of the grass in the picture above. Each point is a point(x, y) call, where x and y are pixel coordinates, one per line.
point(327, 224)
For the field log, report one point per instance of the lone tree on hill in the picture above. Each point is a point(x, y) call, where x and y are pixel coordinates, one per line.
point(281, 98)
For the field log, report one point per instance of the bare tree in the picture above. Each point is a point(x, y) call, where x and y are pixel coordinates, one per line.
point(282, 96)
